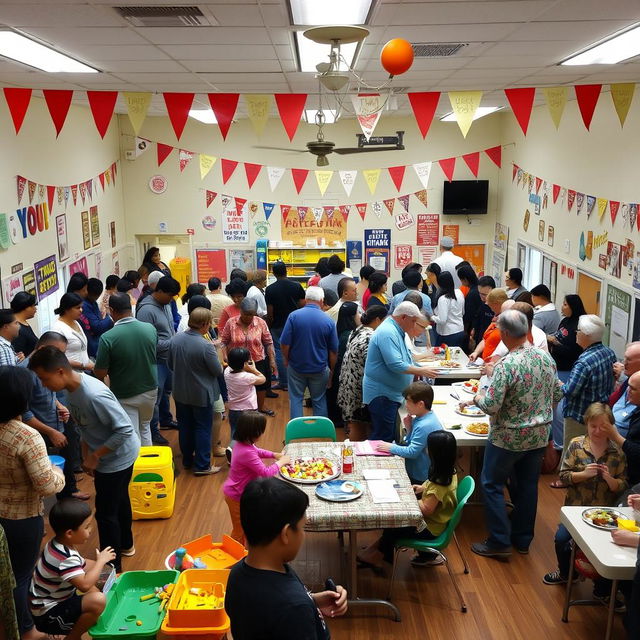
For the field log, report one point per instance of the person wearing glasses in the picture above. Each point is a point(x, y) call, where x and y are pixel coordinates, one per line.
point(513, 283)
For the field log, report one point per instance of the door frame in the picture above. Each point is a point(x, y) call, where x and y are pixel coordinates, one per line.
point(594, 277)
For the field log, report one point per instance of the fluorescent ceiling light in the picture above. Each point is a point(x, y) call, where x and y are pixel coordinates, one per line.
point(319, 12)
point(203, 115)
point(329, 115)
point(32, 53)
point(480, 113)
point(311, 53)
point(618, 47)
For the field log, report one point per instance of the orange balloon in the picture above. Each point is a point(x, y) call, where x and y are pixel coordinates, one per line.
point(396, 56)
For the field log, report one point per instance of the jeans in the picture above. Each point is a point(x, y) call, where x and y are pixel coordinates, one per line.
point(68, 452)
point(557, 425)
point(282, 370)
point(194, 435)
point(140, 411)
point(159, 412)
point(23, 539)
point(524, 466)
point(317, 385)
point(452, 340)
point(234, 416)
point(384, 414)
point(164, 406)
point(113, 511)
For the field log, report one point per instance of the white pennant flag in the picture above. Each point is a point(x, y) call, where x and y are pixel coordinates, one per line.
point(141, 146)
point(348, 179)
point(275, 174)
point(368, 108)
point(377, 208)
point(423, 171)
point(317, 213)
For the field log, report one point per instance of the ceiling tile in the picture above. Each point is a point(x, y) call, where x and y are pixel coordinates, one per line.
point(454, 33)
point(232, 66)
point(245, 78)
point(593, 10)
point(582, 31)
point(88, 35)
point(58, 15)
point(240, 15)
point(220, 52)
point(104, 52)
point(142, 66)
point(206, 35)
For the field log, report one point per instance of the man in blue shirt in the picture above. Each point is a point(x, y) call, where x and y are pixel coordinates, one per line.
point(412, 279)
point(389, 369)
point(309, 345)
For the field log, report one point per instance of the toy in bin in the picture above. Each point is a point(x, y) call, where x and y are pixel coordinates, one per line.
point(181, 560)
point(204, 553)
point(152, 489)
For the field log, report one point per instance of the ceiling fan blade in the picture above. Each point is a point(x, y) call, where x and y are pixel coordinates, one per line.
point(346, 150)
point(280, 149)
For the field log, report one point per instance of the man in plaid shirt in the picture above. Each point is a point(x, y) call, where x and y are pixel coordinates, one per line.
point(591, 378)
point(9, 329)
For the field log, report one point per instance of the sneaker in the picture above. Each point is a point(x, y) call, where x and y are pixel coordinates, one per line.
point(483, 549)
point(128, 552)
point(227, 452)
point(426, 560)
point(271, 394)
point(554, 577)
point(207, 472)
point(219, 452)
point(160, 441)
point(618, 607)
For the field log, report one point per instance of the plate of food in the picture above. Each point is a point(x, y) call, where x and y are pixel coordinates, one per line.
point(471, 411)
point(602, 517)
point(310, 470)
point(477, 429)
point(470, 386)
point(339, 491)
point(448, 364)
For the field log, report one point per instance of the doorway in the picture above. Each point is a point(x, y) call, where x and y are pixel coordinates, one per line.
point(171, 246)
point(589, 290)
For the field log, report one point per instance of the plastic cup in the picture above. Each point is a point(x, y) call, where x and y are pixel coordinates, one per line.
point(57, 461)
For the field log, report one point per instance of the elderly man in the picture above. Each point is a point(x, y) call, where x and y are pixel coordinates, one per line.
point(448, 261)
point(619, 400)
point(389, 369)
point(591, 379)
point(309, 344)
point(519, 400)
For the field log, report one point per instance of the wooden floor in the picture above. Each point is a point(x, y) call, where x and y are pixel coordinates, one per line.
point(505, 599)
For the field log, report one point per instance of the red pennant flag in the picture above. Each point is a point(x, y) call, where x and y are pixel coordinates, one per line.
point(495, 153)
point(556, 192)
point(18, 103)
point(211, 196)
point(240, 202)
point(521, 101)
point(390, 204)
point(587, 96)
point(329, 211)
point(448, 166)
point(514, 172)
point(101, 177)
point(102, 105)
point(299, 177)
point(228, 167)
point(163, 151)
point(178, 105)
point(538, 184)
point(74, 193)
point(290, 107)
point(613, 209)
point(224, 107)
point(58, 102)
point(345, 209)
point(571, 198)
point(22, 183)
point(31, 188)
point(397, 175)
point(51, 194)
point(284, 210)
point(424, 105)
point(252, 170)
point(473, 162)
point(362, 210)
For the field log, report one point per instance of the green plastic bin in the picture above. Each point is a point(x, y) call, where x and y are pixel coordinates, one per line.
point(124, 609)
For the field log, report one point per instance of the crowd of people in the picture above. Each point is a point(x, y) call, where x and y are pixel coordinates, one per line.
point(98, 385)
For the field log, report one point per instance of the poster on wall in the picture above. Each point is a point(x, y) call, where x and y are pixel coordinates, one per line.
point(63, 240)
point(636, 271)
point(300, 225)
point(235, 224)
point(95, 226)
point(377, 248)
point(403, 220)
point(46, 277)
point(616, 318)
point(354, 256)
point(550, 274)
point(501, 237)
point(98, 265)
point(211, 263)
point(452, 231)
point(244, 259)
point(614, 259)
point(428, 229)
point(29, 282)
point(79, 266)
point(86, 231)
point(498, 267)
point(112, 233)
point(402, 255)
point(115, 261)
point(10, 286)
point(426, 255)
point(474, 254)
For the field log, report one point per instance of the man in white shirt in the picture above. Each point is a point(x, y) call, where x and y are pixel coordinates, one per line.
point(347, 292)
point(449, 260)
point(545, 314)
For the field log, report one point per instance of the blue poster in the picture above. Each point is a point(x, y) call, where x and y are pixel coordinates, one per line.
point(354, 251)
point(377, 249)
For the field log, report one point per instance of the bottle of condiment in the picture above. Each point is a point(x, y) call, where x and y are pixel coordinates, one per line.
point(347, 457)
point(447, 353)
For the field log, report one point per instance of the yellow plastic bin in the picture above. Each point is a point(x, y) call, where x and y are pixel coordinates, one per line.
point(152, 489)
point(181, 271)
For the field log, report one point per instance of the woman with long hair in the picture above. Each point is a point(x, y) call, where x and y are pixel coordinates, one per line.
point(449, 312)
point(153, 262)
point(69, 313)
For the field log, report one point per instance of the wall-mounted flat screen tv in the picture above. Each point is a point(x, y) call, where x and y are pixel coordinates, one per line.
point(465, 197)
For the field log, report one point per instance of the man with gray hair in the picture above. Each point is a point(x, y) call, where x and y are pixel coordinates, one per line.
point(448, 261)
point(591, 379)
point(519, 399)
point(389, 369)
point(309, 344)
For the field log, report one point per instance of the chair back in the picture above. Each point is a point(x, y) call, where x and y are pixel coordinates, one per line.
point(308, 427)
point(465, 489)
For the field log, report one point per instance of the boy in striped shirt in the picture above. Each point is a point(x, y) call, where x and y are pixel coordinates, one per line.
point(56, 607)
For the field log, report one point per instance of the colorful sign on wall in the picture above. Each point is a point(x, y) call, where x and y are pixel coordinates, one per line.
point(428, 230)
point(403, 255)
point(377, 249)
point(79, 266)
point(235, 224)
point(46, 277)
point(211, 263)
point(298, 229)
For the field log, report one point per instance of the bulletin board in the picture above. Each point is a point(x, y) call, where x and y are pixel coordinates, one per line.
point(211, 263)
point(474, 254)
point(617, 315)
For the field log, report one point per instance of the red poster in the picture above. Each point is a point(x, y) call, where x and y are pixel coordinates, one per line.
point(211, 263)
point(428, 229)
point(453, 231)
point(403, 256)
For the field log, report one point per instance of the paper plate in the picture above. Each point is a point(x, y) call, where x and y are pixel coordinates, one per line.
point(472, 433)
point(461, 385)
point(333, 491)
point(476, 414)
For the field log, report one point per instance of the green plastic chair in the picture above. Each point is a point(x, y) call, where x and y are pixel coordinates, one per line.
point(309, 427)
point(463, 493)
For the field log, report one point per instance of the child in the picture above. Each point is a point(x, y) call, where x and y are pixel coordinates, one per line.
point(438, 501)
point(246, 464)
point(56, 607)
point(241, 378)
point(418, 400)
point(265, 598)
point(594, 470)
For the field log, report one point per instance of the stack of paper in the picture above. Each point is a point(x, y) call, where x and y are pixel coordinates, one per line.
point(376, 474)
point(383, 491)
point(369, 448)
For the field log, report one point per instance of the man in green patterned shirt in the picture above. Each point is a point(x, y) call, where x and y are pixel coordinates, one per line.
point(520, 399)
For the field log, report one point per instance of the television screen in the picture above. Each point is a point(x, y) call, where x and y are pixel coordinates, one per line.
point(465, 197)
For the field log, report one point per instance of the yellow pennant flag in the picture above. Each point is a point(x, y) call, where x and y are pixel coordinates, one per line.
point(602, 206)
point(258, 106)
point(323, 178)
point(622, 95)
point(137, 107)
point(464, 105)
point(371, 177)
point(556, 98)
point(206, 162)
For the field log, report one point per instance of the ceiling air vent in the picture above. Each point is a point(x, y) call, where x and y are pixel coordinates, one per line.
point(164, 16)
point(437, 50)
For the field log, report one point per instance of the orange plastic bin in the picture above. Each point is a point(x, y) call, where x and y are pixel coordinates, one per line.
point(215, 555)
